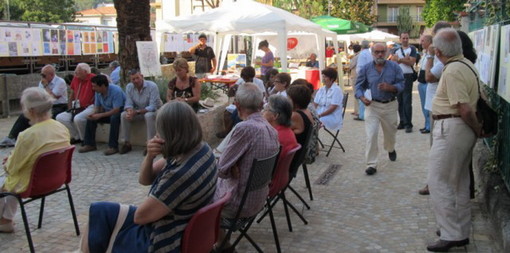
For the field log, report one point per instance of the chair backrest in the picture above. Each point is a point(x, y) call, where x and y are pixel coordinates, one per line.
point(202, 230)
point(281, 174)
point(50, 171)
point(260, 176)
point(300, 155)
point(344, 103)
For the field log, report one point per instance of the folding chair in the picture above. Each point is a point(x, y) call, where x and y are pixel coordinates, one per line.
point(260, 176)
point(335, 135)
point(202, 230)
point(278, 184)
point(51, 170)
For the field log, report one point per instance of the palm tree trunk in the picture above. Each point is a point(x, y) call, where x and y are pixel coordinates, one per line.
point(133, 24)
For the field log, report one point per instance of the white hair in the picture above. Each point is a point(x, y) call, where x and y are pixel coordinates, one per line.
point(37, 99)
point(249, 97)
point(447, 40)
point(83, 66)
point(49, 67)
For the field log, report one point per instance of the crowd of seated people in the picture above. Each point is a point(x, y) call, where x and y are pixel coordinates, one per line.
point(158, 223)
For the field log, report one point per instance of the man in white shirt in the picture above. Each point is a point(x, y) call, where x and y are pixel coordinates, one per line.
point(405, 56)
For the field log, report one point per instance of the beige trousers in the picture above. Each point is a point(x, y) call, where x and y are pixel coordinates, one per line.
point(150, 122)
point(448, 177)
point(384, 115)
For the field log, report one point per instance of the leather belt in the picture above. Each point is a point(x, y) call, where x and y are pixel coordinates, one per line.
point(383, 101)
point(445, 116)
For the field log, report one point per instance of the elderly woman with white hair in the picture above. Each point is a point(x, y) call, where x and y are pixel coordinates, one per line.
point(182, 182)
point(45, 135)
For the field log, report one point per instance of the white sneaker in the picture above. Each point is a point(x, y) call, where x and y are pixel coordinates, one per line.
point(7, 142)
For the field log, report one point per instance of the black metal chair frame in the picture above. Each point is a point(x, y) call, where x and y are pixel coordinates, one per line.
point(260, 176)
point(43, 197)
point(335, 135)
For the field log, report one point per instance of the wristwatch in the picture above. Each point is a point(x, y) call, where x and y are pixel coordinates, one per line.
point(186, 99)
point(430, 57)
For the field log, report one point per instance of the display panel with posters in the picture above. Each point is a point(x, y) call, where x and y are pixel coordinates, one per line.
point(148, 58)
point(485, 42)
point(504, 64)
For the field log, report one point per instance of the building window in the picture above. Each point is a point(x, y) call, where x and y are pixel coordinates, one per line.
point(392, 14)
point(419, 12)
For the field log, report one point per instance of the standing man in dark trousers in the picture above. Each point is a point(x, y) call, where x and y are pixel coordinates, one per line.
point(206, 60)
point(405, 56)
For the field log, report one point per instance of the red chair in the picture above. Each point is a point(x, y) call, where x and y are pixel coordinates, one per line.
point(51, 170)
point(202, 230)
point(278, 184)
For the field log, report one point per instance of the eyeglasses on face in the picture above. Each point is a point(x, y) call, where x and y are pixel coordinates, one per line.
point(43, 75)
point(380, 52)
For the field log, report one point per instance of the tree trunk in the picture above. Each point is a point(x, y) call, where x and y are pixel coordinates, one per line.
point(133, 24)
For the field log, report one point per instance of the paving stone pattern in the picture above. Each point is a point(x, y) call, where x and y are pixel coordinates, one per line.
point(352, 213)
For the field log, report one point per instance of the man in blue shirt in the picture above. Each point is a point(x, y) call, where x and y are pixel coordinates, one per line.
point(115, 75)
point(377, 86)
point(108, 104)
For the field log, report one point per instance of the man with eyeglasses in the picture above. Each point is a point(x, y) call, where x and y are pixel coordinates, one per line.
point(377, 86)
point(80, 103)
point(57, 88)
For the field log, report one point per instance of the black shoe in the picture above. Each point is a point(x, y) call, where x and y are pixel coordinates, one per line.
point(438, 232)
point(392, 155)
point(422, 129)
point(370, 171)
point(75, 141)
point(358, 118)
point(400, 126)
point(444, 246)
point(409, 129)
point(425, 131)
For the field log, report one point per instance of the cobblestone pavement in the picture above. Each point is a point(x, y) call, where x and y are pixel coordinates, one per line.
point(352, 213)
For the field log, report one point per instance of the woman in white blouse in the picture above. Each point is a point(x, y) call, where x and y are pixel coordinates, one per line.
point(328, 101)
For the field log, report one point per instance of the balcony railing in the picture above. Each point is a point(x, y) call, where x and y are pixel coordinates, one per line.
point(393, 19)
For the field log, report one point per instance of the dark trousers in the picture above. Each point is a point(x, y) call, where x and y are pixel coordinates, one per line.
point(22, 123)
point(90, 131)
point(405, 101)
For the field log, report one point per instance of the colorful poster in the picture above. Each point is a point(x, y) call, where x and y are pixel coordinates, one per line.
point(504, 64)
point(148, 57)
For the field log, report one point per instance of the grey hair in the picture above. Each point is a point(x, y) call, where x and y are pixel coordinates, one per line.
point(281, 105)
point(178, 125)
point(83, 66)
point(37, 99)
point(440, 25)
point(50, 67)
point(114, 64)
point(428, 38)
point(365, 44)
point(447, 40)
point(248, 96)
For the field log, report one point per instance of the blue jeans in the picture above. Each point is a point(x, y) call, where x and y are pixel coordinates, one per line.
point(361, 110)
point(90, 131)
point(422, 90)
point(405, 102)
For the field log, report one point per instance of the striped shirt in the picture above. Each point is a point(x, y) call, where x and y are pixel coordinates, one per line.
point(184, 188)
point(253, 138)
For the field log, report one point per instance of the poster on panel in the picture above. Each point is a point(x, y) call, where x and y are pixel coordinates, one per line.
point(485, 42)
point(148, 58)
point(504, 64)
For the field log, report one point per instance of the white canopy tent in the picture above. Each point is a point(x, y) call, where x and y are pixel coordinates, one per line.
point(375, 35)
point(246, 17)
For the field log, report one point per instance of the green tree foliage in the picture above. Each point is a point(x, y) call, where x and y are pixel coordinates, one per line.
point(53, 11)
point(404, 20)
point(304, 8)
point(360, 11)
point(437, 10)
point(14, 10)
